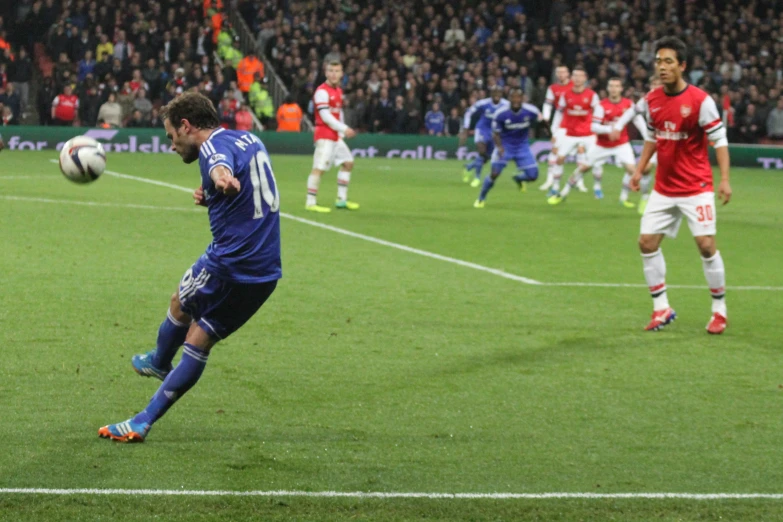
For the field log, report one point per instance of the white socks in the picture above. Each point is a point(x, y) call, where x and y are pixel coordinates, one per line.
point(626, 187)
point(343, 178)
point(313, 181)
point(655, 274)
point(557, 173)
point(715, 273)
point(598, 175)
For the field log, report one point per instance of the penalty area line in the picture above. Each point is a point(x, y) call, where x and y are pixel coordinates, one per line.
point(447, 259)
point(394, 495)
point(95, 204)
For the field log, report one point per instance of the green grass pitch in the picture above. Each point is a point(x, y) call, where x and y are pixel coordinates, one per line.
point(376, 369)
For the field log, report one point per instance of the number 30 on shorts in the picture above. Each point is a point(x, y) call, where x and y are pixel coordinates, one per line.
point(705, 213)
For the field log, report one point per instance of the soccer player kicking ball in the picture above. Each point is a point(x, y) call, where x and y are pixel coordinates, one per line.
point(330, 148)
point(240, 268)
point(486, 107)
point(510, 134)
point(611, 144)
point(681, 120)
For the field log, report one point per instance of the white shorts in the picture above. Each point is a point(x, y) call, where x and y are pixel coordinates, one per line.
point(569, 144)
point(622, 154)
point(559, 135)
point(330, 153)
point(663, 214)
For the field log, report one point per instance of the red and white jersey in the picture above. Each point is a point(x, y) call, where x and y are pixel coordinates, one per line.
point(681, 125)
point(608, 113)
point(65, 107)
point(553, 94)
point(327, 97)
point(577, 108)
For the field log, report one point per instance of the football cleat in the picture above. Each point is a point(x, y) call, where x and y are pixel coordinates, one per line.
point(475, 183)
point(478, 204)
point(318, 208)
point(642, 206)
point(127, 431)
point(627, 204)
point(717, 324)
point(142, 364)
point(599, 194)
point(466, 175)
point(660, 319)
point(555, 200)
point(346, 205)
point(522, 185)
point(580, 185)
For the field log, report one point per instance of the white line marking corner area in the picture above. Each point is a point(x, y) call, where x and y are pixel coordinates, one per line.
point(411, 250)
point(395, 495)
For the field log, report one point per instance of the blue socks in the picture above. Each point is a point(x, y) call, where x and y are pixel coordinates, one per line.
point(478, 164)
point(171, 335)
point(177, 383)
point(530, 174)
point(488, 184)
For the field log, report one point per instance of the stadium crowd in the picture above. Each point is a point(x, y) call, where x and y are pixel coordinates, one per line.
point(411, 66)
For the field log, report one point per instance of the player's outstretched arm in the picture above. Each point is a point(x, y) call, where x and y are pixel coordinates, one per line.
point(224, 181)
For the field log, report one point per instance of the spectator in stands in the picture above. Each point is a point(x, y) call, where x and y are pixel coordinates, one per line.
point(86, 66)
point(248, 69)
point(261, 102)
point(382, 112)
point(64, 107)
point(435, 121)
point(151, 75)
point(226, 113)
point(289, 116)
point(775, 121)
point(142, 104)
point(413, 112)
point(104, 48)
point(21, 74)
point(44, 99)
point(453, 123)
point(110, 112)
point(400, 116)
point(243, 119)
point(155, 121)
point(89, 105)
point(8, 117)
point(10, 99)
point(455, 35)
point(751, 126)
point(137, 120)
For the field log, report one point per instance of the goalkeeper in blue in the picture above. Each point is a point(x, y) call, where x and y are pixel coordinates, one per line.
point(510, 128)
point(238, 272)
point(482, 135)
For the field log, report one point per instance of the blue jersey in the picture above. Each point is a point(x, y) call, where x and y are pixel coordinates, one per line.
point(486, 108)
point(514, 126)
point(245, 228)
point(435, 121)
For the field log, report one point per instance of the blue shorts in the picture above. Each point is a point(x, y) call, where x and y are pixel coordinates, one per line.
point(220, 307)
point(484, 136)
point(522, 157)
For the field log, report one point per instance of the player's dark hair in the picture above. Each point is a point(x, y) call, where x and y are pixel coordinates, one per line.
point(516, 90)
point(615, 79)
point(334, 63)
point(191, 106)
point(578, 68)
point(675, 44)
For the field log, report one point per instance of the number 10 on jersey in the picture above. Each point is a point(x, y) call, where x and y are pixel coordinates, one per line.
point(264, 185)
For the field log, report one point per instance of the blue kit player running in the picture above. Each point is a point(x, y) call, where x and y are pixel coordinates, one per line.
point(482, 136)
point(510, 133)
point(240, 268)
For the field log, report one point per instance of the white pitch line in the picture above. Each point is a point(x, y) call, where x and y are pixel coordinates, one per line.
point(386, 495)
point(447, 259)
point(96, 204)
point(40, 176)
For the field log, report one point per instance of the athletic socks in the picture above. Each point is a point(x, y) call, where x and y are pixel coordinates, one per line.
point(343, 179)
point(478, 164)
point(626, 187)
point(313, 181)
point(485, 187)
point(171, 335)
point(715, 273)
point(575, 178)
point(557, 173)
point(177, 383)
point(598, 175)
point(655, 274)
point(645, 185)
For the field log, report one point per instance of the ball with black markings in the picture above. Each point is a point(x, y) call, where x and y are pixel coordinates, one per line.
point(82, 159)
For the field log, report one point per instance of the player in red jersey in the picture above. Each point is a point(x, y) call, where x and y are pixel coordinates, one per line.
point(330, 148)
point(551, 102)
point(681, 120)
point(611, 143)
point(574, 114)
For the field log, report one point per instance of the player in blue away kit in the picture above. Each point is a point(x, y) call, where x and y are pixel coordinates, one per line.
point(482, 136)
point(240, 268)
point(510, 133)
